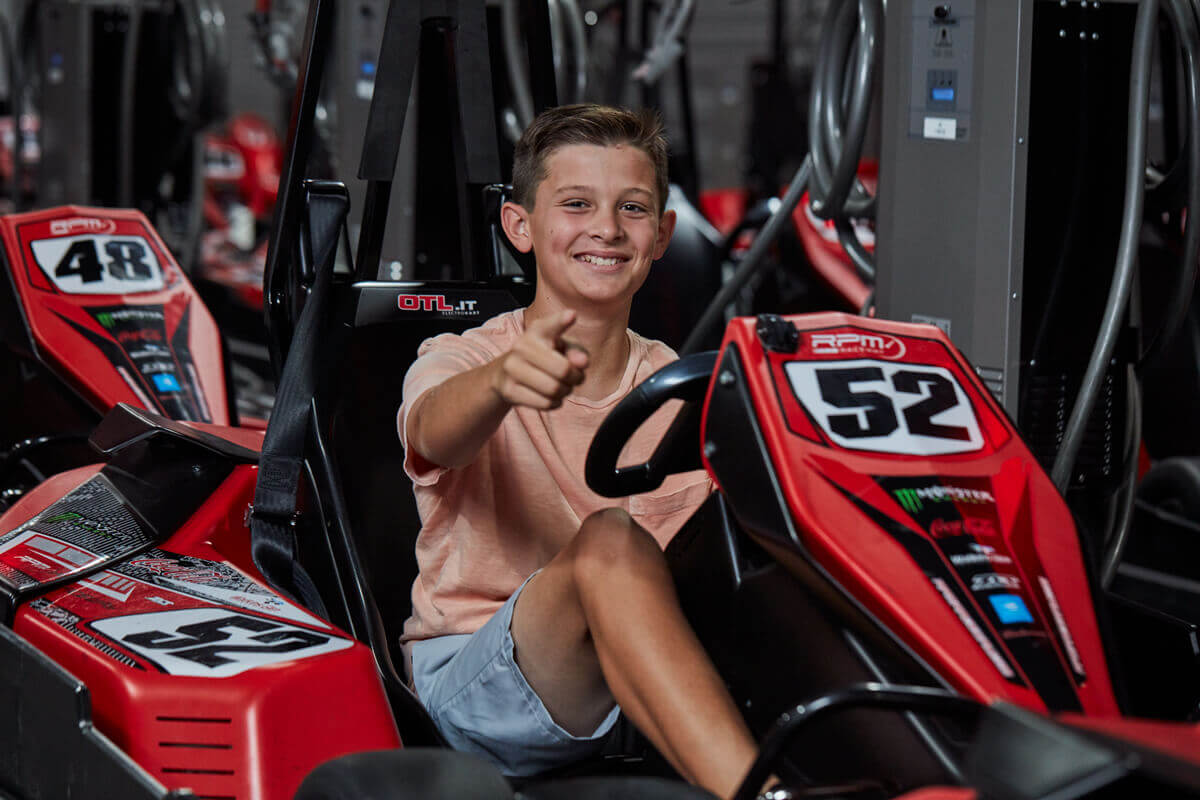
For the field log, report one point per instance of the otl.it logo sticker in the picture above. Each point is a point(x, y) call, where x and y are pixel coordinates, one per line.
point(77, 225)
point(436, 302)
point(880, 345)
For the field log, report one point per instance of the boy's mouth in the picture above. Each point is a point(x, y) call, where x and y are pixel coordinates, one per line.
point(600, 261)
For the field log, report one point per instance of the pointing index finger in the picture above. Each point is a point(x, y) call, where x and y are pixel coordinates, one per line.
point(552, 328)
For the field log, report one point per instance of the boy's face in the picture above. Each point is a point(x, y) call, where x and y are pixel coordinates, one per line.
point(595, 226)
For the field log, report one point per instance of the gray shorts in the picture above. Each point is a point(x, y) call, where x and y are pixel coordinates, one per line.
point(482, 704)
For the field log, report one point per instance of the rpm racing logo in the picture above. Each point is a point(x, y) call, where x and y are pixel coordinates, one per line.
point(439, 304)
point(913, 500)
point(855, 343)
point(76, 225)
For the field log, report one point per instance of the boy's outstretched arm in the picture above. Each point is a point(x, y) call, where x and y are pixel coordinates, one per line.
point(448, 424)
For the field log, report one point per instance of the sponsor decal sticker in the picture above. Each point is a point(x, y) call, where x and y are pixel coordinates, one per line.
point(171, 568)
point(81, 523)
point(980, 554)
point(44, 557)
point(990, 581)
point(67, 227)
point(881, 345)
point(1002, 666)
point(1060, 623)
point(970, 526)
point(166, 382)
point(1011, 609)
point(437, 302)
point(913, 500)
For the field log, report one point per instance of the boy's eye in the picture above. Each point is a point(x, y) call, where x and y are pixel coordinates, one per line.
point(636, 208)
point(575, 204)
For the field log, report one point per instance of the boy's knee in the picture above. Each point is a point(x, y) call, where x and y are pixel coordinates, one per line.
point(611, 539)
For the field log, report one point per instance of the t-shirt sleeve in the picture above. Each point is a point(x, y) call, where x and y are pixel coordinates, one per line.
point(438, 359)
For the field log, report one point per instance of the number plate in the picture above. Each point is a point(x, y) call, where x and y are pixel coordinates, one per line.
point(887, 407)
point(99, 264)
point(214, 642)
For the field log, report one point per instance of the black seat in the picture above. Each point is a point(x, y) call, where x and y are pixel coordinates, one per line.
point(367, 452)
point(363, 557)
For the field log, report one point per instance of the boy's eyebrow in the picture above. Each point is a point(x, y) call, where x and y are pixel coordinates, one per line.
point(583, 188)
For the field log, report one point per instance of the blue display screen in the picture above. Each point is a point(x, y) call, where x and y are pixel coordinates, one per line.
point(943, 94)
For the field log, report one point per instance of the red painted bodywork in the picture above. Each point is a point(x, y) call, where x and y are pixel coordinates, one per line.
point(826, 253)
point(1034, 523)
point(50, 312)
point(254, 735)
point(1180, 739)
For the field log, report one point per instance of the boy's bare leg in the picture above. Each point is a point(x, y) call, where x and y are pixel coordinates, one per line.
point(603, 615)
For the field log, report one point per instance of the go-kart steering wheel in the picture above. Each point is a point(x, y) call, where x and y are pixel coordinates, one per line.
point(679, 451)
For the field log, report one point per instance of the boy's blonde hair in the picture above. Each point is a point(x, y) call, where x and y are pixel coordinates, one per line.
point(586, 123)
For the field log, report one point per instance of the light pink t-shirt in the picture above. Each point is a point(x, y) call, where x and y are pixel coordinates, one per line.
point(489, 525)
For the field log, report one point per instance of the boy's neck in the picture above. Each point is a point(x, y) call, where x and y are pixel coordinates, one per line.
point(604, 336)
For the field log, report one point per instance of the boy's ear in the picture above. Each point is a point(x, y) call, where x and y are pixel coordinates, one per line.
point(515, 221)
point(666, 227)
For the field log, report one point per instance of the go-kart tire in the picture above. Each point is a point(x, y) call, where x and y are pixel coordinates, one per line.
point(410, 774)
point(613, 788)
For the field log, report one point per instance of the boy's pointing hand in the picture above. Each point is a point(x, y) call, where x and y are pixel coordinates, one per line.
point(543, 366)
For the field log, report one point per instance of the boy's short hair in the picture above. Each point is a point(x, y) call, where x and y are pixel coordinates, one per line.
point(586, 123)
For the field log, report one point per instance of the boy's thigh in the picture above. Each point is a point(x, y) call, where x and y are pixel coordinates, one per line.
point(555, 651)
point(483, 704)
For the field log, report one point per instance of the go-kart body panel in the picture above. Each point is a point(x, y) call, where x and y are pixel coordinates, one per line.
point(199, 672)
point(907, 486)
point(98, 285)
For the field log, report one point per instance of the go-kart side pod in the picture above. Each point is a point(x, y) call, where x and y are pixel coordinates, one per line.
point(134, 580)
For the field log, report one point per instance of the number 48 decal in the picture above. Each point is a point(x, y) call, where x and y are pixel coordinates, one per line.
point(887, 407)
point(99, 264)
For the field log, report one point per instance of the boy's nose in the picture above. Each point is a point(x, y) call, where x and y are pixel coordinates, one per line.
point(606, 225)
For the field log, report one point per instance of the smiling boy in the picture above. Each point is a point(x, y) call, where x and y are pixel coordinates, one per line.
point(539, 605)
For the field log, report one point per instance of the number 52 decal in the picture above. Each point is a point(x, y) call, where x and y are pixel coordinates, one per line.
point(885, 407)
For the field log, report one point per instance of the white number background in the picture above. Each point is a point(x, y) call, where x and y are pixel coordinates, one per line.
point(803, 378)
point(49, 253)
point(120, 628)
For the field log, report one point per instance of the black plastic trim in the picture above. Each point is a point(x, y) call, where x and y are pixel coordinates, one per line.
point(49, 748)
point(128, 425)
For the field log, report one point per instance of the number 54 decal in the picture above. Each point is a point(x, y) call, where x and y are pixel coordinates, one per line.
point(887, 407)
point(99, 264)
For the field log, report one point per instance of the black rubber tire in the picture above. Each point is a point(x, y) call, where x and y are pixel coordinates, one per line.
point(414, 773)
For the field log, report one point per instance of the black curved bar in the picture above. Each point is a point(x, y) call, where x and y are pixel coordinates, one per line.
point(686, 379)
point(864, 695)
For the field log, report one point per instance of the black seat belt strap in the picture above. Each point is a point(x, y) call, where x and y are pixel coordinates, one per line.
point(272, 520)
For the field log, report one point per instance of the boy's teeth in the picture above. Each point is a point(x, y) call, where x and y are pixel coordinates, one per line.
point(597, 260)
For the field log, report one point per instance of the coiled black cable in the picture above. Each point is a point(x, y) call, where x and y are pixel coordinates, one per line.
point(1145, 29)
point(838, 116)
